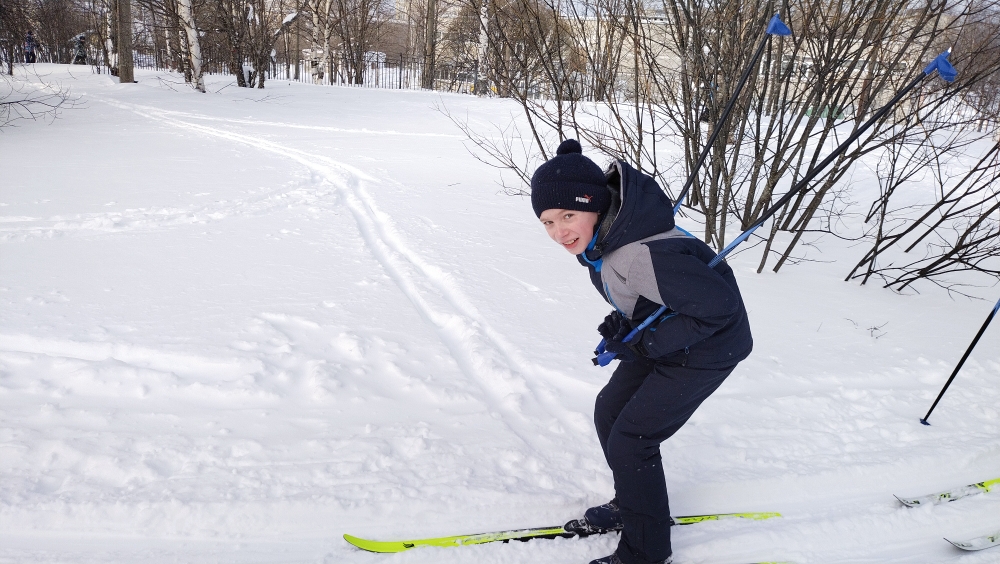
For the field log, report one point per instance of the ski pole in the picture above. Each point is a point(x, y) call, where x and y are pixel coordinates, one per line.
point(774, 27)
point(940, 64)
point(968, 351)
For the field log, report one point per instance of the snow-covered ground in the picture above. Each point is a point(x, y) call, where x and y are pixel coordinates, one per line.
point(235, 326)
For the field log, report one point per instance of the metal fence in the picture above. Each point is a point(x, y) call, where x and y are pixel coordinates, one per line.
point(93, 57)
point(397, 73)
point(378, 71)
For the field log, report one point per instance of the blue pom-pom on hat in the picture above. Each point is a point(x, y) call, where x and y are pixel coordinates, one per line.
point(569, 181)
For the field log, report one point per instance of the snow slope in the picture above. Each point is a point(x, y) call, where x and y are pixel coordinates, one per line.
point(235, 326)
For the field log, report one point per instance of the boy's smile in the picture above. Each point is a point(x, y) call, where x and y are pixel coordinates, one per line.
point(572, 229)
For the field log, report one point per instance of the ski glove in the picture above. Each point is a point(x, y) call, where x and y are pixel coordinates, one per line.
point(624, 351)
point(613, 324)
point(614, 330)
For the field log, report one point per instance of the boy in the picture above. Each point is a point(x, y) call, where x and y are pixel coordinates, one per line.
point(620, 226)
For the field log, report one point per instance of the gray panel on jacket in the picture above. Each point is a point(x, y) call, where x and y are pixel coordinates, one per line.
point(627, 273)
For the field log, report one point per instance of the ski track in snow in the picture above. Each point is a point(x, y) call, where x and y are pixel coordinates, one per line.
point(134, 355)
point(508, 380)
point(144, 220)
point(363, 131)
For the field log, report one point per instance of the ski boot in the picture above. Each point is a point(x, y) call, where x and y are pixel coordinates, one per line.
point(613, 559)
point(597, 520)
point(607, 517)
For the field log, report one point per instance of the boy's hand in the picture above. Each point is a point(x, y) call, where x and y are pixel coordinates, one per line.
point(625, 353)
point(614, 330)
point(613, 325)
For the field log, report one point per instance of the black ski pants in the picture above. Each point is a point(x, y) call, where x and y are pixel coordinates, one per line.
point(642, 405)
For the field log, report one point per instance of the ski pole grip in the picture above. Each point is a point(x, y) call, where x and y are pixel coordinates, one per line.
point(602, 357)
point(599, 354)
point(605, 358)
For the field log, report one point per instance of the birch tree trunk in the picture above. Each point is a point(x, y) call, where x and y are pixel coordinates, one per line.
point(327, 34)
point(321, 33)
point(317, 31)
point(111, 43)
point(185, 58)
point(484, 38)
point(186, 14)
point(170, 54)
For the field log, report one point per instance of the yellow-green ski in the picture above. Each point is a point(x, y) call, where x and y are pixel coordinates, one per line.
point(953, 494)
point(692, 519)
point(523, 534)
point(460, 540)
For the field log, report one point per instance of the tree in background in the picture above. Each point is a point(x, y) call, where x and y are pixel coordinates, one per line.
point(20, 97)
point(430, 43)
point(323, 25)
point(54, 23)
point(359, 27)
point(123, 13)
point(229, 18)
point(14, 26)
point(249, 30)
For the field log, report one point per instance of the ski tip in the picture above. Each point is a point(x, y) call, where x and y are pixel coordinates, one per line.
point(956, 544)
point(376, 546)
point(967, 546)
point(905, 502)
point(356, 541)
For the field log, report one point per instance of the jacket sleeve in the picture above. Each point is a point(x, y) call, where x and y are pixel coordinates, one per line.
point(699, 296)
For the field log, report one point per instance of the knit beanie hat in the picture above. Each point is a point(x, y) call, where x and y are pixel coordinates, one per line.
point(569, 181)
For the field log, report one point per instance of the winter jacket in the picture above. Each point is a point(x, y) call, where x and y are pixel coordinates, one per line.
point(640, 261)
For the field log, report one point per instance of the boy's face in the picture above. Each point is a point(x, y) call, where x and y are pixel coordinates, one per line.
point(572, 229)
